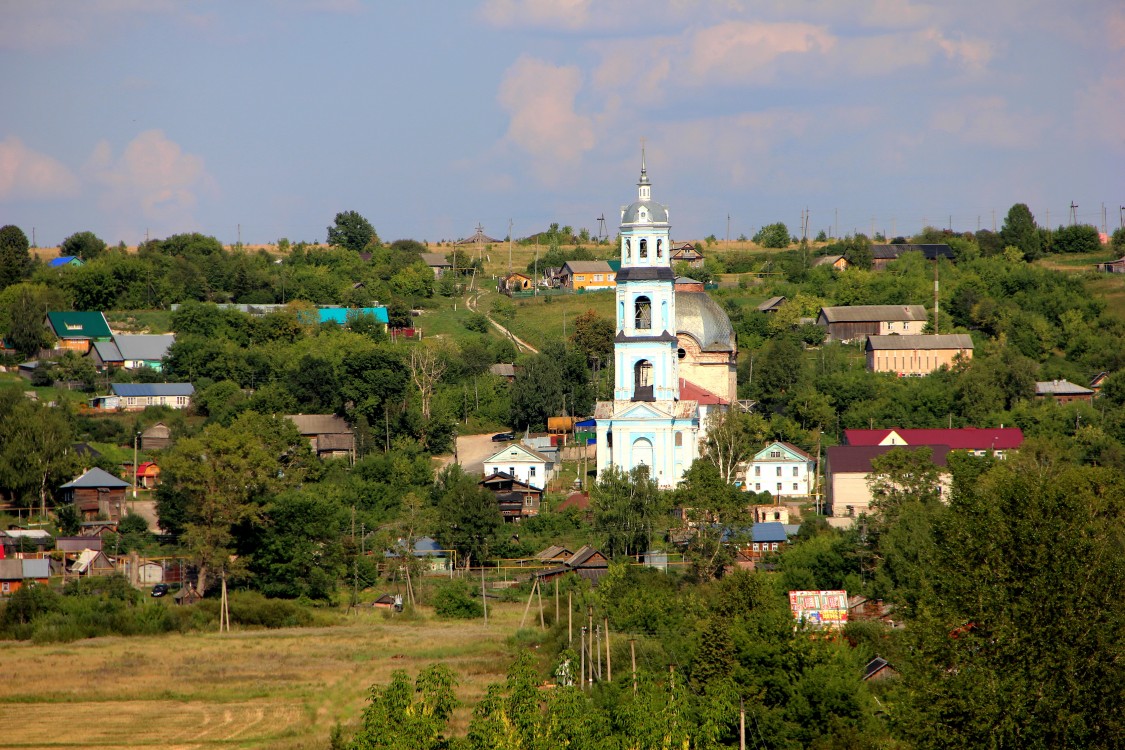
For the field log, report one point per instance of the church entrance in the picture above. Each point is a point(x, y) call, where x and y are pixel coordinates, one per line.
point(642, 453)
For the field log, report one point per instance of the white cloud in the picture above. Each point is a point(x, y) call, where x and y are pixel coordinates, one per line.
point(26, 173)
point(567, 14)
point(540, 99)
point(153, 181)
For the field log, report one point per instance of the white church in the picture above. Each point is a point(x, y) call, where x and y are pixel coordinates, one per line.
point(674, 353)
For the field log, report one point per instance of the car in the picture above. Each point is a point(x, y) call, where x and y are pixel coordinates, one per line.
point(503, 437)
point(159, 590)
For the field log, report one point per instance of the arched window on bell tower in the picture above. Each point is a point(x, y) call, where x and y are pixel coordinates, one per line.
point(642, 313)
point(628, 249)
point(642, 381)
point(660, 248)
point(643, 253)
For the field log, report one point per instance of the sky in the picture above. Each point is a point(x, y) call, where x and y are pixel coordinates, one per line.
point(261, 120)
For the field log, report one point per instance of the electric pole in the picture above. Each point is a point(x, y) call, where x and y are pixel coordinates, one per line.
point(509, 247)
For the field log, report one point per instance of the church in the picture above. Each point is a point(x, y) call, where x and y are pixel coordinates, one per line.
point(674, 353)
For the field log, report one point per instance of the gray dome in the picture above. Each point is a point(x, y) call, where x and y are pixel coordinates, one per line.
point(700, 317)
point(655, 213)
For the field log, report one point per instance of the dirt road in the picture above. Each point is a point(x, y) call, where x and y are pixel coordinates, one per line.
point(471, 452)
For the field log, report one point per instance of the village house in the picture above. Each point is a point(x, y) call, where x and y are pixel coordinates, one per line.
point(1113, 266)
point(586, 562)
point(884, 255)
point(847, 468)
point(686, 252)
point(1063, 391)
point(66, 261)
point(855, 322)
point(77, 331)
point(515, 282)
point(765, 538)
point(156, 437)
point(329, 436)
point(977, 440)
point(516, 499)
point(97, 495)
point(15, 574)
point(140, 396)
point(437, 262)
point(770, 513)
point(587, 274)
point(837, 262)
point(132, 351)
point(554, 555)
point(782, 469)
point(772, 305)
point(148, 475)
point(1097, 380)
point(525, 465)
point(504, 370)
point(916, 355)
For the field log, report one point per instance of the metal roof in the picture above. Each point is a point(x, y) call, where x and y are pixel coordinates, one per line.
point(872, 313)
point(95, 479)
point(108, 351)
point(435, 260)
point(79, 325)
point(768, 531)
point(856, 459)
point(1060, 388)
point(319, 424)
point(900, 343)
point(144, 390)
point(645, 212)
point(700, 317)
point(150, 347)
point(588, 266)
point(962, 438)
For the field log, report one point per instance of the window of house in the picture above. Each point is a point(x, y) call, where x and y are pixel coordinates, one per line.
point(528, 501)
point(679, 439)
point(757, 486)
point(511, 471)
point(755, 549)
point(794, 486)
point(757, 471)
point(643, 250)
point(597, 277)
point(777, 515)
point(580, 277)
point(531, 471)
point(775, 454)
point(6, 587)
point(628, 249)
point(642, 312)
point(794, 471)
point(660, 248)
point(773, 546)
point(779, 471)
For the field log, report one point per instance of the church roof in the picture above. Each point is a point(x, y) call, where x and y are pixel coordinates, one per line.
point(704, 320)
point(689, 391)
point(645, 212)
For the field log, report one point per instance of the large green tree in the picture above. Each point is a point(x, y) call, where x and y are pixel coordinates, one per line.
point(627, 507)
point(352, 231)
point(35, 453)
point(22, 309)
point(85, 245)
point(1020, 231)
point(15, 255)
point(468, 515)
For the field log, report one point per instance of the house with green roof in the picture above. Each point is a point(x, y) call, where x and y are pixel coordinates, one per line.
point(77, 331)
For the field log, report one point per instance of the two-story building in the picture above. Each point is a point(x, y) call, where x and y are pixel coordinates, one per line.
point(917, 355)
point(781, 469)
point(524, 465)
point(847, 470)
point(856, 322)
point(979, 441)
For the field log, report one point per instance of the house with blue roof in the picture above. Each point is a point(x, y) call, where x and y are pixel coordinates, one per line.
point(342, 315)
point(64, 261)
point(139, 396)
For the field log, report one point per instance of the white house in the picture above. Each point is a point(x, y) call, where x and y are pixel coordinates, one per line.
point(781, 469)
point(522, 464)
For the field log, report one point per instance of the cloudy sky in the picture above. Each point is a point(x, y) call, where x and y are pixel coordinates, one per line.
point(127, 116)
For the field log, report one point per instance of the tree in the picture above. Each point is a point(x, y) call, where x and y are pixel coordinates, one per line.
point(427, 364)
point(773, 235)
point(732, 437)
point(15, 255)
point(1020, 230)
point(626, 507)
point(84, 245)
point(593, 336)
point(352, 231)
point(222, 479)
point(718, 513)
point(1077, 238)
point(990, 660)
point(468, 515)
point(34, 448)
point(297, 551)
point(22, 308)
point(405, 717)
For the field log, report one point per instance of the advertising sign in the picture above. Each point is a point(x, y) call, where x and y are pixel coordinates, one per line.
point(820, 609)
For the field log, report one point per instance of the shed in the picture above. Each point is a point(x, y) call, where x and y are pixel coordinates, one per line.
point(772, 305)
point(157, 437)
point(328, 435)
point(17, 573)
point(878, 669)
point(587, 562)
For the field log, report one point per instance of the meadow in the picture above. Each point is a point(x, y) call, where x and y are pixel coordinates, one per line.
point(283, 689)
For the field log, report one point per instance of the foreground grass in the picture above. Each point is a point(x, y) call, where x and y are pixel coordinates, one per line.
point(251, 689)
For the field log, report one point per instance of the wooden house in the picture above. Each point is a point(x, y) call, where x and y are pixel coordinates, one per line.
point(148, 475)
point(15, 574)
point(1063, 391)
point(588, 274)
point(517, 500)
point(140, 396)
point(77, 331)
point(856, 322)
point(515, 282)
point(587, 563)
point(836, 262)
point(156, 437)
point(772, 305)
point(554, 555)
point(687, 252)
point(437, 262)
point(97, 494)
point(329, 436)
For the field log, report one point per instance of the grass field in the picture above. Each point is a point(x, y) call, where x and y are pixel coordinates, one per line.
point(282, 689)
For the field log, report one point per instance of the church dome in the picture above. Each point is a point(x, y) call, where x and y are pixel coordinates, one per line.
point(700, 317)
point(645, 212)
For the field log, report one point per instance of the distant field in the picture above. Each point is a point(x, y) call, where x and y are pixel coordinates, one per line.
point(281, 689)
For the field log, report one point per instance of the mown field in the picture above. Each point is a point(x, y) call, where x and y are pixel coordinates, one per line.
point(281, 689)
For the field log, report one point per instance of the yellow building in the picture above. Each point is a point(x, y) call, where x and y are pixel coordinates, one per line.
point(916, 355)
point(588, 274)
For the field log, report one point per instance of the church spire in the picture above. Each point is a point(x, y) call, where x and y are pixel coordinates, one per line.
point(644, 188)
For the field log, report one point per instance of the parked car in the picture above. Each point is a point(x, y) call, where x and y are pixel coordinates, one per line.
point(159, 590)
point(503, 437)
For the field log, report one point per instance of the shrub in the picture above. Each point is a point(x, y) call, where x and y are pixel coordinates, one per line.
point(454, 601)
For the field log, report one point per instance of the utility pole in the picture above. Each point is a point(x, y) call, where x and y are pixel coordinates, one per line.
point(1073, 213)
point(483, 595)
point(836, 230)
point(633, 658)
point(936, 329)
point(509, 246)
point(728, 228)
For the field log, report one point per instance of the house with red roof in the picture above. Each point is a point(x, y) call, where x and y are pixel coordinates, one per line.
point(148, 475)
point(977, 440)
point(847, 469)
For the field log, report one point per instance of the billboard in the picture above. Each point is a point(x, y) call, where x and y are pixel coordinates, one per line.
point(820, 609)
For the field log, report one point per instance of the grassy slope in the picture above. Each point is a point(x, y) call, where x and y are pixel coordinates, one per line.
point(256, 689)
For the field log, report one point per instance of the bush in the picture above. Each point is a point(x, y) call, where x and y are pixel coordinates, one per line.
point(454, 601)
point(773, 235)
point(477, 322)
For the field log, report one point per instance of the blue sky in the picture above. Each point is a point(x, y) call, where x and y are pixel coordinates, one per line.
point(127, 116)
